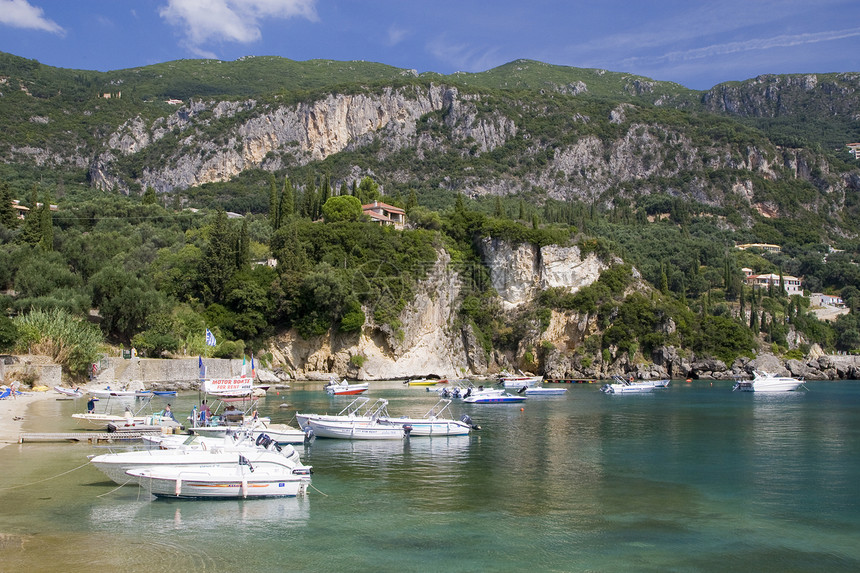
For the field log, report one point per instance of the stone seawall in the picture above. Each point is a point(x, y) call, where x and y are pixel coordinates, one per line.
point(158, 373)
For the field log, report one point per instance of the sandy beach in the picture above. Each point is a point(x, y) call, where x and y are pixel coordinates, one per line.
point(13, 414)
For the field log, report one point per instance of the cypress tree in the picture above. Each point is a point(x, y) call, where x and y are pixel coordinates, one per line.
point(287, 203)
point(46, 225)
point(498, 212)
point(243, 246)
point(7, 212)
point(31, 233)
point(664, 280)
point(219, 260)
point(274, 204)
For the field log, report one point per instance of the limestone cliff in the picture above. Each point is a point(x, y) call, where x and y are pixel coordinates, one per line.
point(432, 340)
point(269, 136)
point(520, 272)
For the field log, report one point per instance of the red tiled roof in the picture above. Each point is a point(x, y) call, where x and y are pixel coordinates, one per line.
point(385, 206)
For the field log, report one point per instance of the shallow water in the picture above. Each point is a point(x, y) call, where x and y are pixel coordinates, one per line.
point(692, 478)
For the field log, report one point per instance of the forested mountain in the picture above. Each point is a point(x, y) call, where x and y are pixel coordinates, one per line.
point(663, 179)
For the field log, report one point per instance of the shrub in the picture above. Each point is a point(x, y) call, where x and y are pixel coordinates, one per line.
point(68, 340)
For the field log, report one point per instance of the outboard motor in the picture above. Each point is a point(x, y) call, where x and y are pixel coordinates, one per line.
point(407, 429)
point(264, 441)
point(467, 420)
point(309, 434)
point(468, 393)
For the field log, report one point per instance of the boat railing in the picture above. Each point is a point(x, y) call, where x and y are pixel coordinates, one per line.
point(354, 407)
point(434, 413)
point(378, 409)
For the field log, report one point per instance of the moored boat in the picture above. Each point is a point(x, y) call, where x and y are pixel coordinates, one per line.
point(242, 480)
point(357, 430)
point(434, 423)
point(490, 396)
point(73, 392)
point(360, 409)
point(344, 388)
point(115, 465)
point(767, 382)
point(516, 382)
point(421, 382)
point(543, 391)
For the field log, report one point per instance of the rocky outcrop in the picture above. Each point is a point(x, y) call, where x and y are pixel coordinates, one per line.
point(428, 342)
point(519, 271)
point(431, 340)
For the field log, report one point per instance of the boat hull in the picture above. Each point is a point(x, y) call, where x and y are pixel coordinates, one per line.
point(766, 382)
point(422, 427)
point(356, 430)
point(115, 466)
point(221, 483)
point(516, 382)
point(493, 399)
point(540, 391)
point(281, 433)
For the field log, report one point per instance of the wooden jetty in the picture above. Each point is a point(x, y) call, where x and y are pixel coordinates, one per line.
point(93, 437)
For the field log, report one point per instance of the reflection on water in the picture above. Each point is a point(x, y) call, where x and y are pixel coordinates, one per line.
point(692, 478)
point(197, 515)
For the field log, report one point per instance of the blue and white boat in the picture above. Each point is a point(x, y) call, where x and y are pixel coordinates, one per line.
point(490, 396)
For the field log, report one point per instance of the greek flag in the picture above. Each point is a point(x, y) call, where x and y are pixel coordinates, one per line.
point(243, 461)
point(210, 338)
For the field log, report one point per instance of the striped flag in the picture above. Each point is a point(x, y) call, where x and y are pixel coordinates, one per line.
point(253, 371)
point(201, 367)
point(210, 338)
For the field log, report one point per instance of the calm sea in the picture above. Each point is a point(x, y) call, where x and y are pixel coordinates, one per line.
point(692, 478)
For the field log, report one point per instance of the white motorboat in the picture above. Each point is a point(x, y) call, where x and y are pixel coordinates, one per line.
point(73, 392)
point(91, 420)
point(767, 382)
point(543, 391)
point(115, 393)
point(115, 466)
point(359, 410)
point(434, 423)
point(516, 382)
point(622, 386)
point(357, 430)
point(241, 480)
point(337, 387)
point(281, 433)
point(482, 395)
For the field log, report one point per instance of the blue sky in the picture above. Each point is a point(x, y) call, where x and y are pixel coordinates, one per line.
point(695, 43)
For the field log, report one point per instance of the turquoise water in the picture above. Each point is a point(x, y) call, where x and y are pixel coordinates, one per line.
point(692, 478)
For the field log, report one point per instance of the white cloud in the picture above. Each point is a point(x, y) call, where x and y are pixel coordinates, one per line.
point(781, 41)
point(463, 57)
point(205, 21)
point(21, 14)
point(395, 35)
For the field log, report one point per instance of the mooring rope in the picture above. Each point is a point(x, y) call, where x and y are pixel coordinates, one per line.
point(317, 490)
point(44, 480)
point(114, 489)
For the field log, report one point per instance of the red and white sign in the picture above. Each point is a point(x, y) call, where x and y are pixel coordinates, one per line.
point(236, 385)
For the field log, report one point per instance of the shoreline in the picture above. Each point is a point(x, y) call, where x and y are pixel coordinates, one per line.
point(13, 414)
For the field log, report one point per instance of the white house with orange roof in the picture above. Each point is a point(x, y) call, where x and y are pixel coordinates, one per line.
point(385, 214)
point(792, 284)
